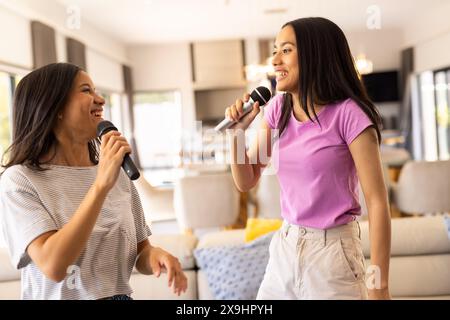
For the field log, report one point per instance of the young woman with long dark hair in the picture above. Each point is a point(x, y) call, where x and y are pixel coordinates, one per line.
point(328, 137)
point(73, 220)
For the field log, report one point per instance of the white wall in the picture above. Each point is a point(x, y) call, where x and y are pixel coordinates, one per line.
point(55, 15)
point(61, 48)
point(104, 55)
point(382, 47)
point(432, 54)
point(15, 39)
point(165, 67)
point(106, 73)
point(429, 34)
point(432, 23)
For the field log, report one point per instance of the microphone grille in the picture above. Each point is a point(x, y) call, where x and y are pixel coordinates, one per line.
point(104, 127)
point(261, 94)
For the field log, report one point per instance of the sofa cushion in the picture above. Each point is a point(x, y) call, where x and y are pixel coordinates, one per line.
point(204, 291)
point(152, 288)
point(413, 236)
point(222, 238)
point(235, 272)
point(10, 290)
point(419, 276)
point(410, 236)
point(179, 245)
point(257, 227)
point(206, 201)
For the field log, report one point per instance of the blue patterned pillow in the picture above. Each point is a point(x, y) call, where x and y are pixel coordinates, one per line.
point(235, 272)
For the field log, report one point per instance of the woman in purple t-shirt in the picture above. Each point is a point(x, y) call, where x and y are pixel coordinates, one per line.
point(328, 136)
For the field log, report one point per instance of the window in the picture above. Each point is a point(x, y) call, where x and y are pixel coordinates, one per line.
point(113, 109)
point(428, 116)
point(432, 116)
point(7, 83)
point(157, 119)
point(442, 114)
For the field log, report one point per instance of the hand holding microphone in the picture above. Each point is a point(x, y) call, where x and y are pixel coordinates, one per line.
point(241, 114)
point(114, 153)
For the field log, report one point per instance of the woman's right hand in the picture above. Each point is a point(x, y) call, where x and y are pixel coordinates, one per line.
point(235, 111)
point(113, 149)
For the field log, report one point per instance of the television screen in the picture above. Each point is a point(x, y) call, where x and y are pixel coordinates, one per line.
point(382, 86)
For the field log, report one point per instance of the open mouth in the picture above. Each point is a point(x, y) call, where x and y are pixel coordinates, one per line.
point(281, 75)
point(97, 113)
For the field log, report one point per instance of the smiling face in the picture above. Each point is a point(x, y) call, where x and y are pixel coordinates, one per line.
point(285, 61)
point(83, 111)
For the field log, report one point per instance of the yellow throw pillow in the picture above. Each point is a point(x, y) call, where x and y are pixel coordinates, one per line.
point(257, 227)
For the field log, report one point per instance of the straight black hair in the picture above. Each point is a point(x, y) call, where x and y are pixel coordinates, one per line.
point(327, 71)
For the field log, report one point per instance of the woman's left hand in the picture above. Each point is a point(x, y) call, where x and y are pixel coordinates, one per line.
point(379, 294)
point(162, 261)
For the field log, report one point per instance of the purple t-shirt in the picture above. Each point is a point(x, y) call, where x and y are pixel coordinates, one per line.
point(316, 172)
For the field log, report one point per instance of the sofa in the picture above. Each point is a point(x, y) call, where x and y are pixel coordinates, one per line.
point(420, 259)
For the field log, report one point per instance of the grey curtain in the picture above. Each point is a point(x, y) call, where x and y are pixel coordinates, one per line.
point(407, 69)
point(76, 53)
point(129, 91)
point(44, 44)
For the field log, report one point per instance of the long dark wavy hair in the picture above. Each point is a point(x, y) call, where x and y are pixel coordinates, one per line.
point(327, 72)
point(39, 98)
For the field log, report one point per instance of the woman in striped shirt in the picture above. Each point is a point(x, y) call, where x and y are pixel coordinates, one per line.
point(73, 221)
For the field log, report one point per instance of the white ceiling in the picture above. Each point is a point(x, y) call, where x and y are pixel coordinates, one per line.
point(147, 21)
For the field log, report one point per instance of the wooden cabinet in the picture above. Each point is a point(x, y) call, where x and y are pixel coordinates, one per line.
point(218, 64)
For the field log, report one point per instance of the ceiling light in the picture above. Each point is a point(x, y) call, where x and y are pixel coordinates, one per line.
point(363, 65)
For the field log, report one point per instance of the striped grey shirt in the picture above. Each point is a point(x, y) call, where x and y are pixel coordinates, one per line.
point(35, 202)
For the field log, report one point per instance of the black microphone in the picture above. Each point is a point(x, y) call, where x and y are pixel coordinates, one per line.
point(260, 94)
point(127, 164)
